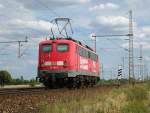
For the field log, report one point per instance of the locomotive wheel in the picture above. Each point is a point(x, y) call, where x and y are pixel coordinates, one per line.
point(86, 83)
point(60, 83)
point(50, 84)
point(93, 82)
point(72, 83)
point(78, 83)
point(82, 82)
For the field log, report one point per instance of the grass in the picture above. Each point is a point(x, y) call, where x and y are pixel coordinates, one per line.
point(122, 100)
point(137, 100)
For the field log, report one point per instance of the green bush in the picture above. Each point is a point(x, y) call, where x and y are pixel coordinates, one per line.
point(148, 85)
point(18, 82)
point(136, 93)
point(137, 98)
point(135, 107)
point(5, 76)
point(32, 83)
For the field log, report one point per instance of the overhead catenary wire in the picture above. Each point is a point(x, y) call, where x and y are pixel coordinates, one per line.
point(43, 5)
point(50, 9)
point(27, 46)
point(117, 44)
point(4, 47)
point(112, 41)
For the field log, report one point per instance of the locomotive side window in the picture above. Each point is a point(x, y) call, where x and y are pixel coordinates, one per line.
point(47, 48)
point(87, 54)
point(83, 52)
point(93, 56)
point(62, 47)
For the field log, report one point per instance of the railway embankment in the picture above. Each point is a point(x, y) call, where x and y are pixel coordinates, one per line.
point(126, 99)
point(100, 99)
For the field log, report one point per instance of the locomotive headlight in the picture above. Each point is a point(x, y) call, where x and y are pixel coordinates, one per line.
point(60, 63)
point(47, 63)
point(54, 63)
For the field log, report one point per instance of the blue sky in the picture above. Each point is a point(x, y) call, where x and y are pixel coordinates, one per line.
point(21, 18)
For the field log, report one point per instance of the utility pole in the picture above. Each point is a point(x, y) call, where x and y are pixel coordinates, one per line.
point(130, 50)
point(95, 44)
point(141, 62)
point(131, 55)
point(19, 44)
point(94, 39)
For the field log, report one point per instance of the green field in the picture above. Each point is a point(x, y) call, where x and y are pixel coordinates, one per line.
point(126, 99)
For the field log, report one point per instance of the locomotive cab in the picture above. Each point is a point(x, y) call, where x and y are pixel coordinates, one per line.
point(54, 62)
point(63, 61)
point(54, 56)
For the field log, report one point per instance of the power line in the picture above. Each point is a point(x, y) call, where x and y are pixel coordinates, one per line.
point(19, 44)
point(44, 5)
point(118, 45)
point(130, 50)
point(27, 48)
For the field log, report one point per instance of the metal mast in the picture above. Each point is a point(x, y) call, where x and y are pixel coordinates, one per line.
point(131, 55)
point(141, 62)
point(94, 36)
point(130, 50)
point(19, 44)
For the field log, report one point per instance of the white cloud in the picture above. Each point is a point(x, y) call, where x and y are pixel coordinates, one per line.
point(27, 18)
point(141, 32)
point(84, 1)
point(146, 29)
point(112, 20)
point(137, 45)
point(50, 4)
point(107, 6)
point(31, 24)
point(1, 6)
point(34, 24)
point(147, 58)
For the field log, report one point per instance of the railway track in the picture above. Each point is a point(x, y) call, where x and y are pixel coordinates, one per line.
point(21, 90)
point(19, 100)
point(41, 89)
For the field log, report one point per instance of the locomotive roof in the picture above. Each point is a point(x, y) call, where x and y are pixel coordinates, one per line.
point(76, 41)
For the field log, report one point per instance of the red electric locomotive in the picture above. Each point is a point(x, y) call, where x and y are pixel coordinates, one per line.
point(66, 62)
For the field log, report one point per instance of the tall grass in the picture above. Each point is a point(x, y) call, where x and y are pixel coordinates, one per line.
point(137, 100)
point(136, 93)
point(148, 85)
point(123, 100)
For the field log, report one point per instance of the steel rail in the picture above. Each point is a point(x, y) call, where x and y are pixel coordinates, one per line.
point(21, 90)
point(11, 91)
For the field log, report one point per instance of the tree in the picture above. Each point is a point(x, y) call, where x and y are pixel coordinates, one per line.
point(5, 77)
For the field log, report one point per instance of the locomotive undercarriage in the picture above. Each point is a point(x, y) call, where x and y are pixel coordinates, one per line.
point(62, 80)
point(81, 81)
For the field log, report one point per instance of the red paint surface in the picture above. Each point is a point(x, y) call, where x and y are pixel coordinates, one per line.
point(71, 58)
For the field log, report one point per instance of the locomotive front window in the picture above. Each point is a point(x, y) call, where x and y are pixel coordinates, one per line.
point(62, 47)
point(47, 48)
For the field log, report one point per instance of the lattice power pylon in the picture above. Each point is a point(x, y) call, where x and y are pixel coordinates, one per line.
point(131, 52)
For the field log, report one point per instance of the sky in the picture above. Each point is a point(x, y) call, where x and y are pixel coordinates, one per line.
point(31, 18)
